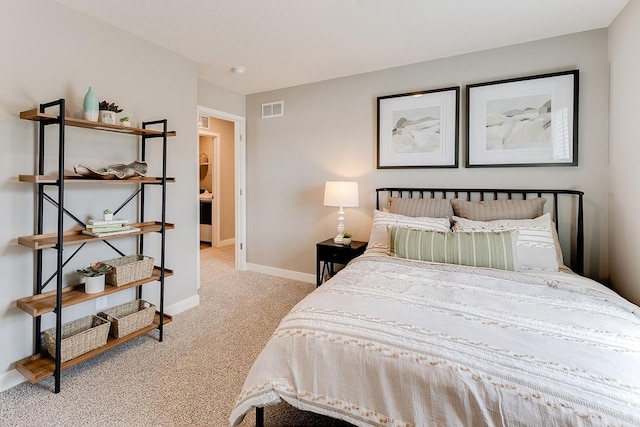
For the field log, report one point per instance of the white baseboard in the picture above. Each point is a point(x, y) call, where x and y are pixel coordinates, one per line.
point(183, 305)
point(227, 242)
point(12, 378)
point(279, 272)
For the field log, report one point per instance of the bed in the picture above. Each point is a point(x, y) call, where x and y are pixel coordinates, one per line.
point(430, 327)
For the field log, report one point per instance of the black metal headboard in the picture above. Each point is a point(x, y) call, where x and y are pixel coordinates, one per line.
point(479, 194)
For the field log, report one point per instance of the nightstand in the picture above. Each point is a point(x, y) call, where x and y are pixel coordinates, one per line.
point(328, 253)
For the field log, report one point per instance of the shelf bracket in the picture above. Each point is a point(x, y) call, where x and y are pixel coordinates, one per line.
point(126, 202)
point(114, 248)
point(45, 283)
point(49, 199)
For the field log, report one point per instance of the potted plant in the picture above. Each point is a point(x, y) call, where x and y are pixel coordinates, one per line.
point(124, 121)
point(107, 215)
point(94, 277)
point(108, 112)
point(346, 238)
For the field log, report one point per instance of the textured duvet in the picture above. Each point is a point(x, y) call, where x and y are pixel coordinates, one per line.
point(394, 342)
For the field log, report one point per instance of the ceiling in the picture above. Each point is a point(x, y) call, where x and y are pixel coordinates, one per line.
point(284, 43)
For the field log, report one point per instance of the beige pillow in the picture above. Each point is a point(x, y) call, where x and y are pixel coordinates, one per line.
point(535, 246)
point(432, 208)
point(379, 237)
point(490, 210)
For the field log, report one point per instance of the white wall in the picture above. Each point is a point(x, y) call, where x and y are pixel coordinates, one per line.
point(624, 151)
point(329, 132)
point(50, 52)
point(221, 99)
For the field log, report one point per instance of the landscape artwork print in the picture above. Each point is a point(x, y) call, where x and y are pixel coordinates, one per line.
point(519, 123)
point(530, 121)
point(416, 131)
point(419, 130)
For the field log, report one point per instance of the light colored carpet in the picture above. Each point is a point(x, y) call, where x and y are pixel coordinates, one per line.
point(192, 378)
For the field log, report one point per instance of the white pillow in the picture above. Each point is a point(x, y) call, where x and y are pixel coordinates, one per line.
point(536, 246)
point(379, 237)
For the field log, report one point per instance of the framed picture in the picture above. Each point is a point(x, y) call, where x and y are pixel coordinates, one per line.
point(419, 130)
point(530, 121)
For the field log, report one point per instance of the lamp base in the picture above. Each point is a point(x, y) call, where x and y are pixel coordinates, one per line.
point(338, 239)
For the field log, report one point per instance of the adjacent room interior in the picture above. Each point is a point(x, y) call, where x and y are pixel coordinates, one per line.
point(216, 163)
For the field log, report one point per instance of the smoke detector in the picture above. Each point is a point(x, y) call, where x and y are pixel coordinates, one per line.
point(237, 69)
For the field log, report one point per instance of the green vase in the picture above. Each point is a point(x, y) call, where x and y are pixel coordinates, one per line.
point(91, 106)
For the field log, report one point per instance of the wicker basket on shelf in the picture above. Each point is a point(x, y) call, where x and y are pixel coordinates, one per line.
point(78, 337)
point(130, 317)
point(129, 269)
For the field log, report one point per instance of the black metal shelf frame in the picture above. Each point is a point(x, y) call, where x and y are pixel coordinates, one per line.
point(39, 283)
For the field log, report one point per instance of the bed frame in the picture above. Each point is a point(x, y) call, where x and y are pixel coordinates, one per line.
point(571, 202)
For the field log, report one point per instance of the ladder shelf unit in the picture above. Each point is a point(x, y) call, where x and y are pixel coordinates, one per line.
point(41, 365)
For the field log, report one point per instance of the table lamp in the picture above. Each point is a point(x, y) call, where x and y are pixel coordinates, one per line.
point(341, 194)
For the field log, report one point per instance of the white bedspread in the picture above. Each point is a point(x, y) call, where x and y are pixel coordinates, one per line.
point(403, 343)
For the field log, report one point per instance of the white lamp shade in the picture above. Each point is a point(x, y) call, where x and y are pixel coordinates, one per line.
point(341, 194)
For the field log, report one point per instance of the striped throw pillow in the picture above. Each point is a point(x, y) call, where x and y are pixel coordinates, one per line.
point(536, 245)
point(490, 210)
point(491, 249)
point(433, 208)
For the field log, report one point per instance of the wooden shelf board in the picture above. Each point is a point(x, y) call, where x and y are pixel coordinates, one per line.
point(41, 366)
point(53, 179)
point(35, 115)
point(75, 237)
point(37, 305)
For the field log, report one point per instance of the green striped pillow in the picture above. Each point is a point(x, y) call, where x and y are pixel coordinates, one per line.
point(490, 249)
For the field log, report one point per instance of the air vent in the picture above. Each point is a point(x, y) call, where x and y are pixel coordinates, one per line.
point(203, 122)
point(273, 109)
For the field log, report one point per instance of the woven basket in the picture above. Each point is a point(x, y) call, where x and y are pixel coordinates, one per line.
point(78, 337)
point(130, 317)
point(129, 269)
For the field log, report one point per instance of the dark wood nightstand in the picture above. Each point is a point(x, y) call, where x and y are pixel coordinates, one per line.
point(329, 253)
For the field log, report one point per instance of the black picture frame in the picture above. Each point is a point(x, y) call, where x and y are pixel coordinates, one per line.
point(419, 129)
point(523, 122)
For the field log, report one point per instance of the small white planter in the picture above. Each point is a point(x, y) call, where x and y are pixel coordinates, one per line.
point(126, 123)
point(94, 285)
point(107, 217)
point(108, 117)
point(346, 241)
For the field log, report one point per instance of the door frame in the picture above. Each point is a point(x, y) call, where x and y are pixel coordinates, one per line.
point(240, 158)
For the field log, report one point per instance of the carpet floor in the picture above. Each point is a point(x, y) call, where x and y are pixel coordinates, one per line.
point(192, 378)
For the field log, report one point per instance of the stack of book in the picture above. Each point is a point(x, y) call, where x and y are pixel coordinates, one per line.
point(102, 228)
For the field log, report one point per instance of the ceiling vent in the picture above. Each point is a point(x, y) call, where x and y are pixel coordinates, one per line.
point(203, 122)
point(273, 109)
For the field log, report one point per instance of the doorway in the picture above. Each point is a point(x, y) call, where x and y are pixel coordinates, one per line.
point(225, 170)
point(209, 197)
point(217, 186)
